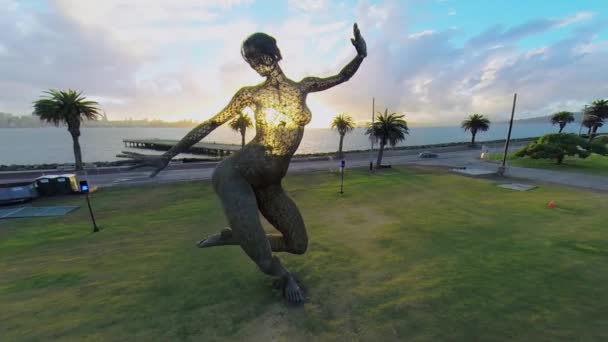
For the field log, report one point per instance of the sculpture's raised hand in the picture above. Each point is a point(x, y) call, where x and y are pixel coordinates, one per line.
point(359, 42)
point(158, 162)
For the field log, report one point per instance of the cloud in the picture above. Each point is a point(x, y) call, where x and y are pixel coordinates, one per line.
point(432, 80)
point(177, 60)
point(308, 5)
point(421, 34)
point(499, 34)
point(45, 51)
point(136, 67)
point(575, 19)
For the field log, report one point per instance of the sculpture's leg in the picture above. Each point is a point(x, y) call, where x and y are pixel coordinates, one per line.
point(284, 215)
point(240, 206)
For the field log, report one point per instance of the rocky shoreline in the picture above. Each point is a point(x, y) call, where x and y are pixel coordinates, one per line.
point(118, 163)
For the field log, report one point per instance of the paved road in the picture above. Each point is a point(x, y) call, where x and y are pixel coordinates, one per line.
point(357, 160)
point(202, 171)
point(457, 157)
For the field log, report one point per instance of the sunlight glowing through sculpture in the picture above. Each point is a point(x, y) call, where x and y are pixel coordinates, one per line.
point(274, 118)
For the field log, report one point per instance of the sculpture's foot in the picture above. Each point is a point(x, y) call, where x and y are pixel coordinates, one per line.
point(292, 292)
point(219, 239)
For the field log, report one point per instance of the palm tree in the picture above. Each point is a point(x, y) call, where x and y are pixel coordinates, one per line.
point(388, 128)
point(342, 123)
point(562, 119)
point(592, 122)
point(240, 124)
point(68, 107)
point(475, 123)
point(598, 108)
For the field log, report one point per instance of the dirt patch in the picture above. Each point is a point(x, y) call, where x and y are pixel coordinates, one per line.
point(273, 326)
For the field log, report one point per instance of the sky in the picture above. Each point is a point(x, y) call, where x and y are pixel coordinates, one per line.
point(435, 61)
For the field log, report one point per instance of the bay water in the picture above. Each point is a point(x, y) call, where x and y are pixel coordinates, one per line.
point(54, 145)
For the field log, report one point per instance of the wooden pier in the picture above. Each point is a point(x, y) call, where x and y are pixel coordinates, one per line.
point(210, 149)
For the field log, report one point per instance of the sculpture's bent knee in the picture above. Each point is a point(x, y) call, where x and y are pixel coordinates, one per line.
point(299, 246)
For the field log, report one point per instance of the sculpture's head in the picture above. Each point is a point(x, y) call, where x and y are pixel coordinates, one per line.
point(261, 52)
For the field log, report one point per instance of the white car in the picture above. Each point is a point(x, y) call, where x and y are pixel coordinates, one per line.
point(427, 154)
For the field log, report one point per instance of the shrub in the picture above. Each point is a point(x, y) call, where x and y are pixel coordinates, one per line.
point(556, 146)
point(599, 145)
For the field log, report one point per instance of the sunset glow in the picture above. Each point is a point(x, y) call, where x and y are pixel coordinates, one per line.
point(433, 60)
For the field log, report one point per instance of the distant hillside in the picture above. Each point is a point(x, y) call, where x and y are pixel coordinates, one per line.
point(543, 119)
point(30, 121)
point(19, 121)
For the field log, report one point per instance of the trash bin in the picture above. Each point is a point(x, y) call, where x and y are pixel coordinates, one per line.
point(44, 186)
point(56, 185)
point(67, 184)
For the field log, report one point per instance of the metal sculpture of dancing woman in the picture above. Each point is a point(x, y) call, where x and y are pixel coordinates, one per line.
point(250, 179)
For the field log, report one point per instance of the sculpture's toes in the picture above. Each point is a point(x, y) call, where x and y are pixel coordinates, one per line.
point(213, 240)
point(293, 293)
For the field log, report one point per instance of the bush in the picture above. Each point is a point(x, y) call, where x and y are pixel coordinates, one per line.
point(601, 139)
point(556, 146)
point(599, 145)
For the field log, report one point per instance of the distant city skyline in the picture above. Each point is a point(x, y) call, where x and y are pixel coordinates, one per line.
point(433, 60)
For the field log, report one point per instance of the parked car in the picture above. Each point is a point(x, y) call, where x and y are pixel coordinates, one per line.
point(17, 192)
point(427, 154)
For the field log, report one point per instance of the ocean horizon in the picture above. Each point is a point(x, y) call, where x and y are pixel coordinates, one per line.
point(27, 146)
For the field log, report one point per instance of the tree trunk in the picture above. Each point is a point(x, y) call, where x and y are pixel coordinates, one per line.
point(561, 127)
point(560, 159)
point(243, 138)
point(77, 153)
point(473, 138)
point(340, 154)
point(593, 132)
point(380, 152)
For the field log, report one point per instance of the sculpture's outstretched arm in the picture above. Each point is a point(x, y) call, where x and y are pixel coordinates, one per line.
point(312, 84)
point(240, 101)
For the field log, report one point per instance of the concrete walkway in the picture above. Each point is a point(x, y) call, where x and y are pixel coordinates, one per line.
point(579, 180)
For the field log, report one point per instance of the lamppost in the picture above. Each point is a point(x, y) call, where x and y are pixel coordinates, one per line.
point(501, 169)
point(371, 151)
point(84, 188)
point(342, 166)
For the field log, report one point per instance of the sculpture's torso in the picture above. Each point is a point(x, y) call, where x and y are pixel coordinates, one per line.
point(280, 113)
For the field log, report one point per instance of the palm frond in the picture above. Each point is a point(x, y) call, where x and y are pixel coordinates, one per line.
point(241, 123)
point(598, 108)
point(562, 117)
point(68, 107)
point(343, 123)
point(476, 122)
point(388, 128)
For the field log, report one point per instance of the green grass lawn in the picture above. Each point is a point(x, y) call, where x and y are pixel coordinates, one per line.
point(594, 164)
point(403, 255)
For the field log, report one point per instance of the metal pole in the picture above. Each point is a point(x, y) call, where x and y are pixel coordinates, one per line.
point(342, 182)
point(504, 157)
point(371, 151)
point(580, 128)
point(95, 229)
